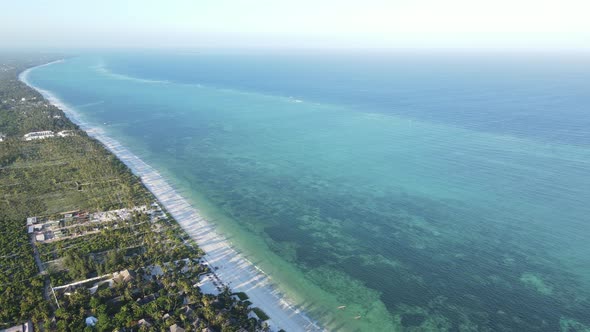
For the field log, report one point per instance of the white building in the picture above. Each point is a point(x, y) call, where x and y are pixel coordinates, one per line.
point(38, 135)
point(208, 285)
point(26, 327)
point(40, 237)
point(65, 133)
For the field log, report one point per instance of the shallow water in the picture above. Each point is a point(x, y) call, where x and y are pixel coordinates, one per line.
point(427, 192)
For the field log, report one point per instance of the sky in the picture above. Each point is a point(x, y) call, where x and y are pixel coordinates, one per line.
point(382, 24)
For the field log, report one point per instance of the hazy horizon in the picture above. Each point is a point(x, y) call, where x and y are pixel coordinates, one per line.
point(247, 24)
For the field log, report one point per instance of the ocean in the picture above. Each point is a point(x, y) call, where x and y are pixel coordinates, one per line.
point(423, 192)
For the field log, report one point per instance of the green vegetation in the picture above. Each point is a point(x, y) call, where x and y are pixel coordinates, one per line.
point(170, 301)
point(261, 314)
point(44, 178)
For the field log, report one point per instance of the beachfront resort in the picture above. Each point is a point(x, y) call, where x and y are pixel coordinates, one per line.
point(36, 135)
point(179, 272)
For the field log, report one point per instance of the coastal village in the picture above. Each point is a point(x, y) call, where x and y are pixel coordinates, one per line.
point(84, 246)
point(73, 224)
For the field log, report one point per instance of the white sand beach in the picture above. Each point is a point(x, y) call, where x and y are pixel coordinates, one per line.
point(230, 266)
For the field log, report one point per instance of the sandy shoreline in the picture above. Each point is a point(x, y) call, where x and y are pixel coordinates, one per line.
point(232, 268)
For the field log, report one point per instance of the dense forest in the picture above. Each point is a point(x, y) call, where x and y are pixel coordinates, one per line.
point(49, 177)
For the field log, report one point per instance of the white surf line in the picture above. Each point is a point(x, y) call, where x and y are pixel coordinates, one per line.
point(233, 269)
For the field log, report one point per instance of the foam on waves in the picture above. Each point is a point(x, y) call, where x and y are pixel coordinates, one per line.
point(102, 69)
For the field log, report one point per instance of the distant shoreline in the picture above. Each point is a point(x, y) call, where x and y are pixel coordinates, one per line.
point(231, 267)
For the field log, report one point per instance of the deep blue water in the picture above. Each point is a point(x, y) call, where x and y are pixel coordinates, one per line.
point(424, 192)
point(540, 96)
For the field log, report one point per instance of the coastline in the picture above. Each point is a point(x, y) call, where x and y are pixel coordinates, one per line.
point(240, 274)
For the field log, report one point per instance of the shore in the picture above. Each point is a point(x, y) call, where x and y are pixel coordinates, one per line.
point(232, 268)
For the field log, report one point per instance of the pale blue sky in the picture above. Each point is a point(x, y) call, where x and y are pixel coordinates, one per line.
point(520, 24)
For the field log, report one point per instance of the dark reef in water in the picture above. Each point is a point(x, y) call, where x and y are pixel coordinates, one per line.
point(425, 198)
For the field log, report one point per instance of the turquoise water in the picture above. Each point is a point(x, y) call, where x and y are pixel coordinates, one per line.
point(424, 193)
